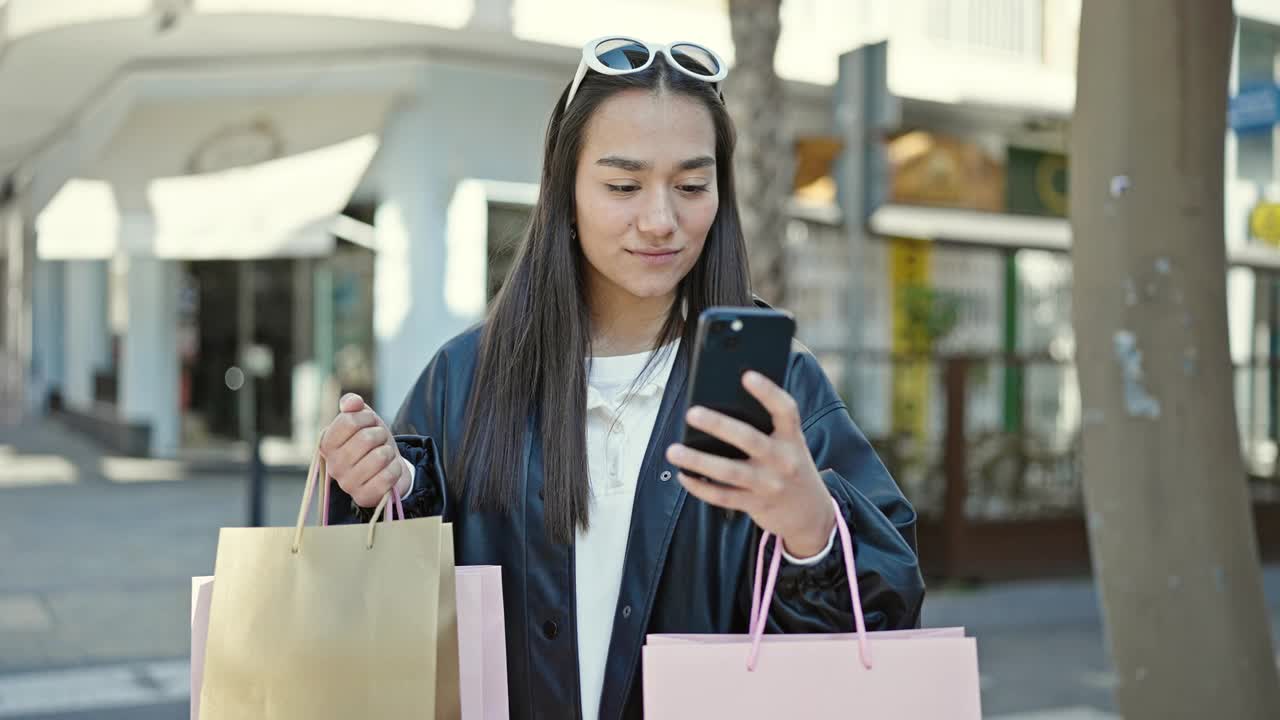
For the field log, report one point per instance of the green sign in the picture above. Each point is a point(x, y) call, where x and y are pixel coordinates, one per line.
point(1036, 183)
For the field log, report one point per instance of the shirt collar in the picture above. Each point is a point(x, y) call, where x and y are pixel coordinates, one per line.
point(654, 385)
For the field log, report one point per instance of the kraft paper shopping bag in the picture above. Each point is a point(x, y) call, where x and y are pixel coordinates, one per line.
point(322, 623)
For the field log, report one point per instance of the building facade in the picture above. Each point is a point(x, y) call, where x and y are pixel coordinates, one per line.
point(216, 215)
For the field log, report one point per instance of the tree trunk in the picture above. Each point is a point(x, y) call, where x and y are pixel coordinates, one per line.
point(755, 99)
point(1170, 523)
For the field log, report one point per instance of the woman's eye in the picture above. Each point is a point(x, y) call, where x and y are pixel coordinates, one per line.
point(693, 189)
point(624, 189)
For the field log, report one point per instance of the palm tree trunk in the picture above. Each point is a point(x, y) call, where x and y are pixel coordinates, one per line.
point(755, 99)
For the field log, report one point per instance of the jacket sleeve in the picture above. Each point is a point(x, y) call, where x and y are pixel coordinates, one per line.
point(419, 430)
point(815, 598)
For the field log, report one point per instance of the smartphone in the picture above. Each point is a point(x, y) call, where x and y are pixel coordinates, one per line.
point(729, 342)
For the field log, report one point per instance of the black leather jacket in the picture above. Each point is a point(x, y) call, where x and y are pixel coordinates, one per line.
point(688, 566)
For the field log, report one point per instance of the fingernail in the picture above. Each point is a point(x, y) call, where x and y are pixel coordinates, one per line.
point(697, 414)
point(675, 452)
point(752, 377)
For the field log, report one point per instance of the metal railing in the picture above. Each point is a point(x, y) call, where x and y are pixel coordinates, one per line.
point(971, 458)
point(994, 444)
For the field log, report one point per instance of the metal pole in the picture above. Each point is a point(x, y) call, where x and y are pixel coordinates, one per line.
point(863, 109)
point(1273, 382)
point(955, 464)
point(257, 486)
point(249, 429)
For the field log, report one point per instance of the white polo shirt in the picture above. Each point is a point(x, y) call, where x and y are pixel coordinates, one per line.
point(618, 436)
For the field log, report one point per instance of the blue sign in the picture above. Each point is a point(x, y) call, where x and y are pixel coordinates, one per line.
point(1254, 109)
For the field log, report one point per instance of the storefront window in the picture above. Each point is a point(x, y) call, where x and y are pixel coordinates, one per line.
point(1257, 176)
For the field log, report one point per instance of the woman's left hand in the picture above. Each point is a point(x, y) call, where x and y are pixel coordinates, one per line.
point(778, 484)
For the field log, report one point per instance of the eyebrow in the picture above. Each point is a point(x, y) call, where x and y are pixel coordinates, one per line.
point(630, 165)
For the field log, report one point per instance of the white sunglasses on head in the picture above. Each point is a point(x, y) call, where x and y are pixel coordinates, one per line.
point(620, 55)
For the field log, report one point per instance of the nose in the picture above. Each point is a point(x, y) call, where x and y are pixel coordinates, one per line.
point(658, 217)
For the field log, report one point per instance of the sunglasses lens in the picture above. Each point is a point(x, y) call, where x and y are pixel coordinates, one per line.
point(695, 59)
point(622, 54)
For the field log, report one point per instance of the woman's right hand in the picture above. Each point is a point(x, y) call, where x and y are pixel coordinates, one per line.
point(361, 453)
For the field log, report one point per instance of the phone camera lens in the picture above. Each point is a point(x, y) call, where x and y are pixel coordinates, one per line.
point(718, 327)
point(731, 342)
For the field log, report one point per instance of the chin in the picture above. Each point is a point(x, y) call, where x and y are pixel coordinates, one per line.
point(651, 289)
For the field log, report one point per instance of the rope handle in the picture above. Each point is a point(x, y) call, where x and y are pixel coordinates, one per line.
point(318, 474)
point(760, 602)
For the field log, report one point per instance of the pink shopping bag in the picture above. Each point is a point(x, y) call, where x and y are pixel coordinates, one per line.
point(904, 674)
point(201, 596)
point(482, 643)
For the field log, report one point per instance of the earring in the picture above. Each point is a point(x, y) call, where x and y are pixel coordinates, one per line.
point(573, 233)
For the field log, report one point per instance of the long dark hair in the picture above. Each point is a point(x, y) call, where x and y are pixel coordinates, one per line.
point(537, 338)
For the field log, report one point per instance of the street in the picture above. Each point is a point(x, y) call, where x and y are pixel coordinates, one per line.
point(96, 555)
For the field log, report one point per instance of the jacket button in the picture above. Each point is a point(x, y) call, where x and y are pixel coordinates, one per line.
point(665, 476)
point(550, 629)
point(626, 611)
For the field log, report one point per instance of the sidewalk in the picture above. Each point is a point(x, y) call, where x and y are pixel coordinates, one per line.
point(96, 551)
point(54, 453)
point(96, 555)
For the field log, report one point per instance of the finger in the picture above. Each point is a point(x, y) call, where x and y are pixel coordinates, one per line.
point(371, 493)
point(718, 495)
point(346, 425)
point(351, 402)
point(731, 430)
point(349, 454)
point(730, 472)
point(781, 406)
point(377, 473)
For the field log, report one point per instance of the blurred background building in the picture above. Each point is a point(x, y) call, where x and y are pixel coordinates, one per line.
point(219, 214)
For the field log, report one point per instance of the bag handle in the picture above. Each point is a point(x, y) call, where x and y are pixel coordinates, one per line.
point(760, 602)
point(396, 503)
point(318, 474)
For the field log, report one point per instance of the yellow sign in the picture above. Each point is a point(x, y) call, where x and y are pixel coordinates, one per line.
point(909, 271)
point(1264, 223)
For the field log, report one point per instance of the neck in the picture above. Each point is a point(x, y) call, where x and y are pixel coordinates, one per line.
point(622, 324)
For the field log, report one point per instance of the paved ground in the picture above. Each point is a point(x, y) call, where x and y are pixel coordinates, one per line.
point(96, 554)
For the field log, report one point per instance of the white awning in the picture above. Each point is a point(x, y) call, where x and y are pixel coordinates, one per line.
point(1255, 256)
point(972, 227)
point(995, 230)
point(81, 222)
point(281, 208)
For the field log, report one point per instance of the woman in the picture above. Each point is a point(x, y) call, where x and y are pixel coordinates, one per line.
point(558, 419)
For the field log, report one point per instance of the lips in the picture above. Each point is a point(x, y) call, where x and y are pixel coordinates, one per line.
point(656, 257)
